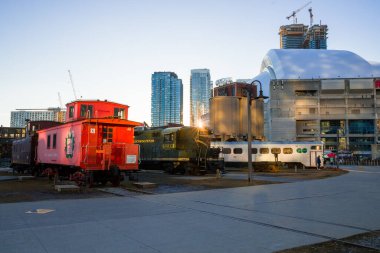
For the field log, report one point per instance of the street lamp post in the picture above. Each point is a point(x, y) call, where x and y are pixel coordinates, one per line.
point(337, 147)
point(261, 97)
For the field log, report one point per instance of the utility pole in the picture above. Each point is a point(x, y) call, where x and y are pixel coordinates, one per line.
point(260, 98)
point(249, 135)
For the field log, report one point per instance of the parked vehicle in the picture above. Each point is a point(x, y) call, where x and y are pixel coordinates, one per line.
point(95, 145)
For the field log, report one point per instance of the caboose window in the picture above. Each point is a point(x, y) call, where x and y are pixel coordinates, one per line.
point(264, 150)
point(48, 141)
point(54, 141)
point(118, 112)
point(86, 111)
point(238, 151)
point(107, 134)
point(71, 111)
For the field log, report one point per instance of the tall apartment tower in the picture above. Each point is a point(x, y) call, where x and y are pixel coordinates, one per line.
point(200, 93)
point(167, 99)
point(297, 36)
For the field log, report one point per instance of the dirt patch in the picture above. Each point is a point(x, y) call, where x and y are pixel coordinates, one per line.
point(307, 174)
point(40, 188)
point(370, 240)
point(179, 183)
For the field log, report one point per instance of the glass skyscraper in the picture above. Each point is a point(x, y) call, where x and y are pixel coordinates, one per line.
point(200, 93)
point(167, 99)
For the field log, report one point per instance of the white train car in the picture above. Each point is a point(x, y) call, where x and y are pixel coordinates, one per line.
point(291, 153)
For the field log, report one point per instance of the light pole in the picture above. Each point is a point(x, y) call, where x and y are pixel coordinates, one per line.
point(261, 97)
point(337, 146)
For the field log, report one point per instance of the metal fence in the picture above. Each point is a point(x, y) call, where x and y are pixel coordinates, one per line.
point(363, 162)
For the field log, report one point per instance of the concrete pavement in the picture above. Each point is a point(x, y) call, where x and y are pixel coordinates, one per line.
point(262, 218)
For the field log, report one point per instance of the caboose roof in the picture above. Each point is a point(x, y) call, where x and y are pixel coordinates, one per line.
point(78, 101)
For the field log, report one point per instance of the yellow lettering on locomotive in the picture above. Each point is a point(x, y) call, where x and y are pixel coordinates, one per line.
point(168, 146)
point(145, 141)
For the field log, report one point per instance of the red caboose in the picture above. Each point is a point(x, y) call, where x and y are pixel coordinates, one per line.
point(96, 142)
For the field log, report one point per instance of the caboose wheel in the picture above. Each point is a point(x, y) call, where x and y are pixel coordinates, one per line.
point(115, 175)
point(79, 178)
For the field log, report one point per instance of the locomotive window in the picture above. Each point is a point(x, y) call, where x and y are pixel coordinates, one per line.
point(107, 134)
point(86, 111)
point(287, 151)
point(275, 150)
point(254, 151)
point(71, 111)
point(54, 141)
point(226, 151)
point(264, 150)
point(168, 138)
point(48, 141)
point(238, 151)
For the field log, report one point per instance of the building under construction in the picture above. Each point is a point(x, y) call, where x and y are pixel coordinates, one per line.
point(292, 36)
point(296, 36)
point(316, 37)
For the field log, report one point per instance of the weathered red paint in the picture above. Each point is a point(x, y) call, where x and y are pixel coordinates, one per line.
point(91, 143)
point(79, 110)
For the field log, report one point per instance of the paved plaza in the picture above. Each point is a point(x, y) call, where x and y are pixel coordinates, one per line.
point(263, 218)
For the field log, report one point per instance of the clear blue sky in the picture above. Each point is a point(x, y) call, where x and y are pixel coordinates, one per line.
point(113, 46)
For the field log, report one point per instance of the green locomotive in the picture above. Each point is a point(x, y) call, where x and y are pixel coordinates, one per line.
point(177, 150)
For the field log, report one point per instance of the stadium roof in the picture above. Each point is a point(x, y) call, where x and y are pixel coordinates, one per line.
point(315, 64)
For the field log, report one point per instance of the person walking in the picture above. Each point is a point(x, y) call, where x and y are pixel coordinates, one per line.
point(318, 162)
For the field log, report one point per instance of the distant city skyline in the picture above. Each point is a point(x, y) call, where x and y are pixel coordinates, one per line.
point(113, 47)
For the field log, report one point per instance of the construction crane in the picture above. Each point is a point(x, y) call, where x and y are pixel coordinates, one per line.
point(72, 84)
point(295, 12)
point(311, 16)
point(60, 100)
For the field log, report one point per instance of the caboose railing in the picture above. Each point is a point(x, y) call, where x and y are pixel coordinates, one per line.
point(104, 156)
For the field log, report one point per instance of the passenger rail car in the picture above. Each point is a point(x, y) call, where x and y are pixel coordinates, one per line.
point(177, 150)
point(291, 153)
